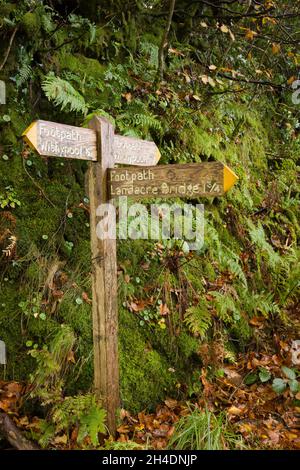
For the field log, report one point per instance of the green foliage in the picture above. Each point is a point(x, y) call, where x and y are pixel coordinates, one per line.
point(62, 93)
point(226, 308)
point(144, 371)
point(102, 59)
point(9, 198)
point(198, 319)
point(202, 430)
point(31, 23)
point(260, 304)
point(82, 410)
point(289, 381)
point(47, 379)
point(258, 238)
point(128, 445)
point(92, 424)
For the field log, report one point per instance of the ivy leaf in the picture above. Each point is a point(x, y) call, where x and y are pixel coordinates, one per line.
point(264, 375)
point(251, 378)
point(294, 386)
point(289, 373)
point(279, 386)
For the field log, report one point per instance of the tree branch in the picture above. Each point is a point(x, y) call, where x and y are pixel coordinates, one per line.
point(9, 47)
point(13, 435)
point(164, 42)
point(279, 86)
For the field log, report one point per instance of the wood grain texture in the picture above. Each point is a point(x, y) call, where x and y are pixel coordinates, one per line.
point(60, 140)
point(163, 181)
point(2, 352)
point(104, 279)
point(130, 151)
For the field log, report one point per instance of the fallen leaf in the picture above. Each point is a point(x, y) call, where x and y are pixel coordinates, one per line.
point(175, 51)
point(234, 410)
point(274, 436)
point(123, 429)
point(275, 48)
point(86, 298)
point(71, 357)
point(171, 403)
point(224, 28)
point(233, 377)
point(163, 309)
point(127, 96)
point(257, 321)
point(250, 35)
point(61, 439)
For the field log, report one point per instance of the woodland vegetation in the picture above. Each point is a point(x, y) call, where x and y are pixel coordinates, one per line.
point(205, 337)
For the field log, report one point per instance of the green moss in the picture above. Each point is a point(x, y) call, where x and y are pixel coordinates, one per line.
point(18, 121)
point(144, 372)
point(6, 9)
point(188, 345)
point(31, 24)
point(80, 64)
point(8, 136)
point(209, 271)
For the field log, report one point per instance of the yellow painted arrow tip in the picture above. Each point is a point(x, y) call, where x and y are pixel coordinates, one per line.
point(229, 178)
point(27, 130)
point(158, 155)
point(30, 135)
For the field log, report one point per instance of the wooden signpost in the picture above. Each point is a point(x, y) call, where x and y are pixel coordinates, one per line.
point(164, 181)
point(60, 140)
point(2, 353)
point(103, 149)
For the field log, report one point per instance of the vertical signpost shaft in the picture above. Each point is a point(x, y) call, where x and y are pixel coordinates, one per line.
point(97, 144)
point(104, 279)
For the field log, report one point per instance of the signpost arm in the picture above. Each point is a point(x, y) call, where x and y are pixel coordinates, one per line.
point(104, 279)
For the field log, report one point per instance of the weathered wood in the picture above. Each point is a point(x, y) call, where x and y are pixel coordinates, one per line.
point(2, 353)
point(189, 180)
point(13, 435)
point(130, 151)
point(60, 140)
point(104, 279)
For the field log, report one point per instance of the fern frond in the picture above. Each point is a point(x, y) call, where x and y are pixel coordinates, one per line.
point(232, 261)
point(91, 424)
point(226, 308)
point(258, 238)
point(151, 51)
point(24, 74)
point(198, 319)
point(62, 93)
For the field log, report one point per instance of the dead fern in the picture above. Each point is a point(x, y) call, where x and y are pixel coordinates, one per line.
point(10, 250)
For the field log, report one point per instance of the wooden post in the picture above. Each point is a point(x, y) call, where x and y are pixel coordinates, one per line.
point(104, 279)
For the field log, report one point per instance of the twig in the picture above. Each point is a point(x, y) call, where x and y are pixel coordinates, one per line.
point(161, 60)
point(256, 82)
point(9, 47)
point(37, 185)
